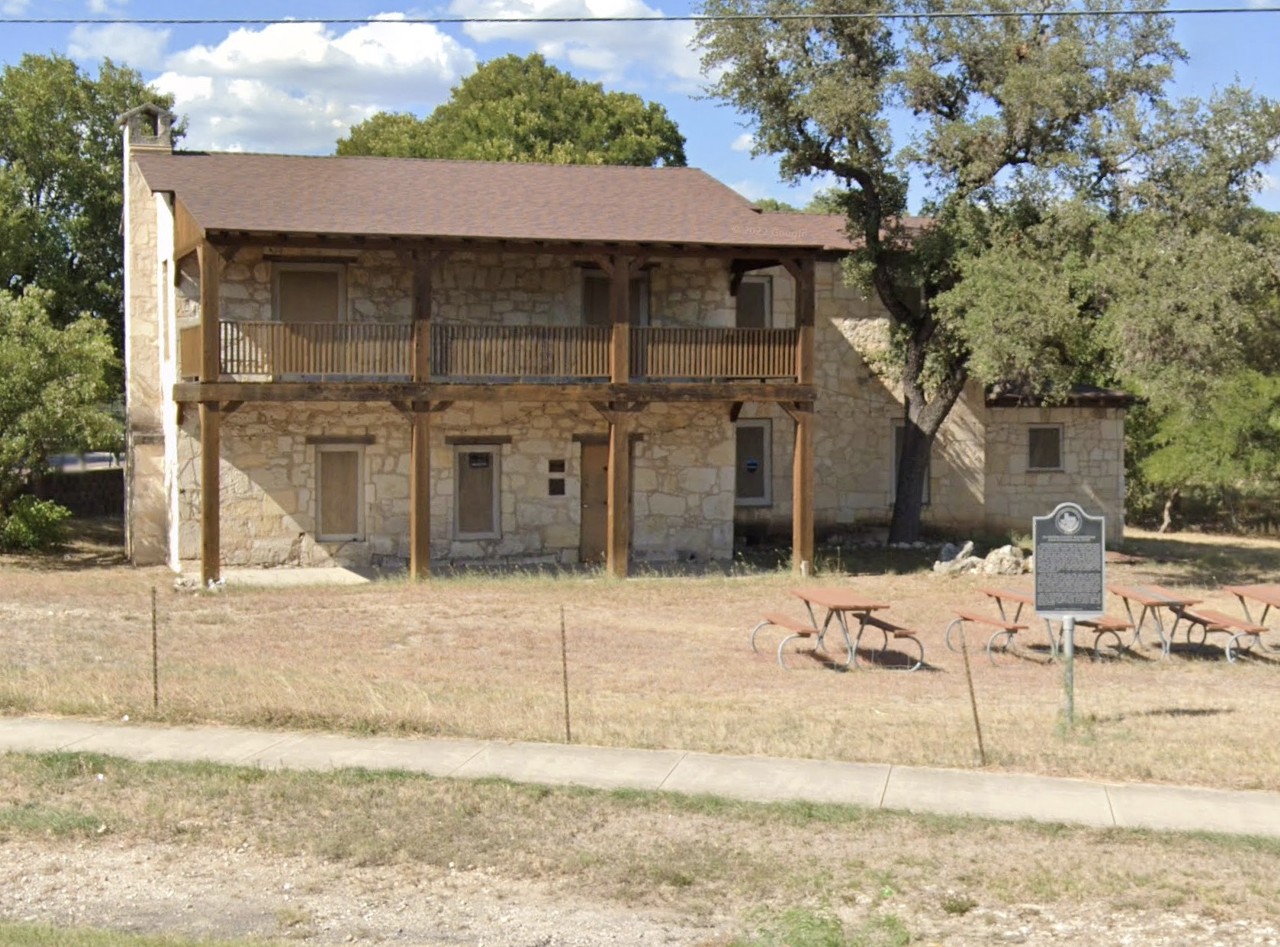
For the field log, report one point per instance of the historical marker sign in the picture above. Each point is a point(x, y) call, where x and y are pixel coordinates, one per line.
point(1070, 563)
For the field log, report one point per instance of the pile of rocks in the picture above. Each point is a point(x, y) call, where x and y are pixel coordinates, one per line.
point(957, 560)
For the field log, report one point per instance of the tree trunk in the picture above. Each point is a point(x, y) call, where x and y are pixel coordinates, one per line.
point(1166, 519)
point(924, 419)
point(908, 488)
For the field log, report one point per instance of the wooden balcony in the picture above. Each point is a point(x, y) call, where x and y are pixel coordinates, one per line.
point(478, 354)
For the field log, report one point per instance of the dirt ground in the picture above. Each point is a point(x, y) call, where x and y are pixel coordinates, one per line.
point(655, 661)
point(219, 893)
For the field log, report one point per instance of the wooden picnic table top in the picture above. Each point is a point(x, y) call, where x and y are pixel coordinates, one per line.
point(1013, 595)
point(1267, 593)
point(839, 600)
point(1154, 595)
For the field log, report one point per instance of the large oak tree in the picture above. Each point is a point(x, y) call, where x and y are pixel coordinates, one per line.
point(60, 184)
point(1081, 226)
point(514, 109)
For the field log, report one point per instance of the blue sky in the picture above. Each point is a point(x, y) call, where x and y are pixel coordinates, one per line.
point(297, 88)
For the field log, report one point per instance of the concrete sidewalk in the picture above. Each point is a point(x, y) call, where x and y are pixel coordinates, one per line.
point(756, 779)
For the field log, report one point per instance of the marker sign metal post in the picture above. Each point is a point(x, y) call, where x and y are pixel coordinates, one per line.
point(1070, 563)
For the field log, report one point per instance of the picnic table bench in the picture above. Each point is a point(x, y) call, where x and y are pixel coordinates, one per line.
point(1242, 635)
point(899, 634)
point(1000, 641)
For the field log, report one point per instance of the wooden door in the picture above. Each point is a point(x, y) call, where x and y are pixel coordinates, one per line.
point(595, 503)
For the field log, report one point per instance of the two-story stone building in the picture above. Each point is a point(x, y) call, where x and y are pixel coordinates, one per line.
point(377, 360)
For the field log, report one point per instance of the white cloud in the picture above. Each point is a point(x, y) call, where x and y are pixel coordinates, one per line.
point(140, 47)
point(608, 51)
point(297, 87)
point(744, 142)
point(15, 7)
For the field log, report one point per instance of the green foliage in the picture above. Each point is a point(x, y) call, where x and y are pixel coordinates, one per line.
point(1230, 436)
point(771, 205)
point(32, 524)
point(53, 390)
point(60, 183)
point(800, 927)
point(513, 109)
point(1082, 227)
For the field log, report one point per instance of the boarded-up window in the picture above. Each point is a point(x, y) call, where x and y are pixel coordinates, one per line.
point(753, 477)
point(899, 433)
point(595, 299)
point(755, 302)
point(312, 292)
point(339, 490)
point(477, 498)
point(1044, 447)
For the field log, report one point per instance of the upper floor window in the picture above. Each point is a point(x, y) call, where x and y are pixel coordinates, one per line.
point(755, 302)
point(310, 292)
point(595, 298)
point(1044, 447)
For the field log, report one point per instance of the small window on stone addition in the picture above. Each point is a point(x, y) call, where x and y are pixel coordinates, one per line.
point(1044, 447)
point(555, 483)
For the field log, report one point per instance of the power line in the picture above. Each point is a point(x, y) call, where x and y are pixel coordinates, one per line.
point(675, 18)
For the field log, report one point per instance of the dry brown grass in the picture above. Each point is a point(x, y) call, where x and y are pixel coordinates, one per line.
point(653, 662)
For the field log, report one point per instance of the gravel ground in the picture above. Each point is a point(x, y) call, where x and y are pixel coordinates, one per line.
point(199, 892)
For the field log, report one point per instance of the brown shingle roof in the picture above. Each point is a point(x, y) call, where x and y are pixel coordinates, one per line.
point(406, 197)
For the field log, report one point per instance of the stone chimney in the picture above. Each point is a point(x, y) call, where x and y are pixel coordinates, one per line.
point(148, 128)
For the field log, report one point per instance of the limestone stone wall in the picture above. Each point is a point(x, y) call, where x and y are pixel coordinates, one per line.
point(492, 289)
point(683, 476)
point(978, 476)
point(1092, 466)
point(683, 460)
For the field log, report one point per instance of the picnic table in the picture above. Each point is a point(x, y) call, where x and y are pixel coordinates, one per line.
point(1153, 600)
point(1267, 595)
point(838, 604)
point(1017, 599)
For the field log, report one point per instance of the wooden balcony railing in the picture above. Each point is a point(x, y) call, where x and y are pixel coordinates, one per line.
point(671, 353)
point(474, 353)
point(318, 349)
point(519, 352)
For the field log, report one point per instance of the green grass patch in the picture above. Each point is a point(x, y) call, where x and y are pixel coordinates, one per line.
point(43, 935)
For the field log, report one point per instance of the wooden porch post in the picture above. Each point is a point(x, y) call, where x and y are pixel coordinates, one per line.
point(802, 491)
point(618, 539)
point(210, 493)
point(420, 449)
point(802, 480)
point(620, 318)
point(420, 494)
point(210, 263)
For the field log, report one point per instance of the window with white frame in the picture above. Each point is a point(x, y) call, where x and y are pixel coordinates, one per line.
point(1044, 447)
point(477, 510)
point(755, 302)
point(310, 292)
point(753, 478)
point(339, 492)
point(899, 434)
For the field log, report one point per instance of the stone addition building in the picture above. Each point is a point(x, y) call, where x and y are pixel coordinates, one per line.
point(377, 361)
